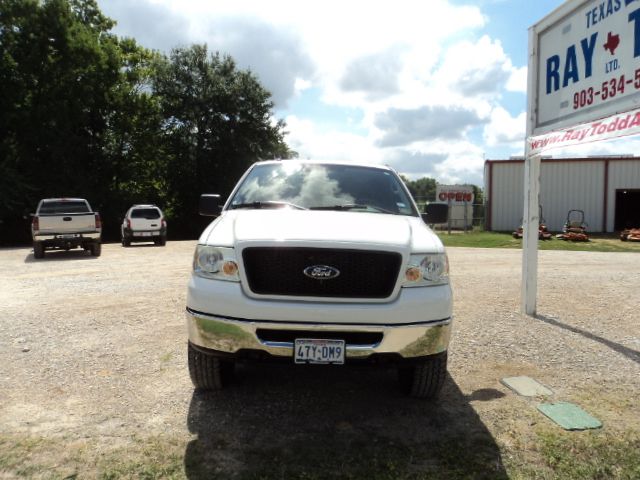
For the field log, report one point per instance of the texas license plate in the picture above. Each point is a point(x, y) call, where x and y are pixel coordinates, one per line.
point(322, 351)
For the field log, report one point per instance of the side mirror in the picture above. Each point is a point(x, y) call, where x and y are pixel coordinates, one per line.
point(210, 205)
point(435, 213)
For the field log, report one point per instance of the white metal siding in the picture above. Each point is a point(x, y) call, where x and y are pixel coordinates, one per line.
point(507, 197)
point(622, 174)
point(564, 185)
point(572, 185)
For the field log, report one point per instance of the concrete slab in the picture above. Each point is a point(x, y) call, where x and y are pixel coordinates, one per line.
point(569, 416)
point(526, 386)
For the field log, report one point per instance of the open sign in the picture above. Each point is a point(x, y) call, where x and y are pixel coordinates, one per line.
point(454, 193)
point(455, 196)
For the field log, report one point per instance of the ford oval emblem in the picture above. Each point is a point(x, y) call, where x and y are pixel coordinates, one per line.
point(321, 272)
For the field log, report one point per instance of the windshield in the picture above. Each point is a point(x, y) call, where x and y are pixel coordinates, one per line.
point(146, 213)
point(323, 187)
point(63, 206)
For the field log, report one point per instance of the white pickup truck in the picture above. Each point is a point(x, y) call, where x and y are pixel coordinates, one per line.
point(319, 263)
point(66, 223)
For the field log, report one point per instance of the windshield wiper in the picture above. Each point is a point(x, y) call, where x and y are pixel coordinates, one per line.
point(352, 206)
point(266, 204)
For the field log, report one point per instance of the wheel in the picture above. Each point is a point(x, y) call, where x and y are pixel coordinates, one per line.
point(425, 379)
point(162, 241)
point(208, 372)
point(126, 242)
point(96, 249)
point(38, 250)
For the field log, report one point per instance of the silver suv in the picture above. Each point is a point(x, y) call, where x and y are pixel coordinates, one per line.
point(144, 223)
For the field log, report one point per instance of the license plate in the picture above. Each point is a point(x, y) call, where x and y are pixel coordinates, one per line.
point(67, 236)
point(145, 234)
point(320, 351)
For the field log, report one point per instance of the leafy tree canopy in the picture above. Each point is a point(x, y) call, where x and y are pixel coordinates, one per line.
point(85, 113)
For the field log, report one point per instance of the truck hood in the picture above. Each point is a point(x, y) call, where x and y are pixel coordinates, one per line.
point(236, 227)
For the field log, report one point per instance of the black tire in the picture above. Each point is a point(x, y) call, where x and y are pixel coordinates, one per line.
point(38, 250)
point(163, 241)
point(424, 379)
point(126, 242)
point(208, 372)
point(96, 249)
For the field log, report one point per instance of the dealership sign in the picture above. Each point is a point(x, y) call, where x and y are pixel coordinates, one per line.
point(585, 58)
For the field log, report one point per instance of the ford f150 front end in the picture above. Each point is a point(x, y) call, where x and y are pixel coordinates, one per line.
point(320, 263)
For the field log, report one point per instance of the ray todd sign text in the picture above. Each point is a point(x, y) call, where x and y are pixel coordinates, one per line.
point(587, 62)
point(619, 125)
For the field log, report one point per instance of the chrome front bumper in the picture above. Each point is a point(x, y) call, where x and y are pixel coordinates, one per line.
point(232, 335)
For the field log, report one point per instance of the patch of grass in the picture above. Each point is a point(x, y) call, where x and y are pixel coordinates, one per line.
point(480, 239)
point(591, 455)
point(149, 459)
point(16, 455)
point(549, 454)
point(62, 458)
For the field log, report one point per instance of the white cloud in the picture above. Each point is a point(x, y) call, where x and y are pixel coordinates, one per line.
point(412, 73)
point(503, 129)
point(314, 141)
point(518, 80)
point(403, 127)
point(476, 68)
point(448, 163)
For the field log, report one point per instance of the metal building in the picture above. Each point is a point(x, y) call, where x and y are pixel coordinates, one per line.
point(607, 189)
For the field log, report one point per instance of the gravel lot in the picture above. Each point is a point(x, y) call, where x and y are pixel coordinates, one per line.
point(95, 349)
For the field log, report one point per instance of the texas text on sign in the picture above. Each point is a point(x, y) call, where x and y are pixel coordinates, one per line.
point(587, 63)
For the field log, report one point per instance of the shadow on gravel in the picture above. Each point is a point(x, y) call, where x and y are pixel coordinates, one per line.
point(631, 354)
point(60, 255)
point(349, 422)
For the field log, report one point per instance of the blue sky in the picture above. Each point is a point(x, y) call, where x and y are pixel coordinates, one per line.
point(431, 88)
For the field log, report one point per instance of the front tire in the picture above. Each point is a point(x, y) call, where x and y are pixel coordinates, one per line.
point(426, 378)
point(208, 372)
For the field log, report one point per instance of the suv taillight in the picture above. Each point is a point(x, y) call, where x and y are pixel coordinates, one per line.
point(164, 223)
point(129, 223)
point(98, 221)
point(35, 223)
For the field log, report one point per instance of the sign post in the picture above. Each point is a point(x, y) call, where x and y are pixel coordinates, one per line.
point(583, 86)
point(531, 222)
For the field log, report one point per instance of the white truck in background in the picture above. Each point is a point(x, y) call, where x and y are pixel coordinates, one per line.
point(66, 223)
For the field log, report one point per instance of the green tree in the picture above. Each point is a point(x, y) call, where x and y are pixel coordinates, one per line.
point(85, 113)
point(218, 120)
point(58, 64)
point(478, 195)
point(135, 166)
point(423, 189)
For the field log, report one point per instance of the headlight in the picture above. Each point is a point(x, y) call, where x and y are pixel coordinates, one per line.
point(425, 270)
point(215, 262)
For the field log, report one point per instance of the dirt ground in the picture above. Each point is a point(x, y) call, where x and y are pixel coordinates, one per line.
point(93, 352)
